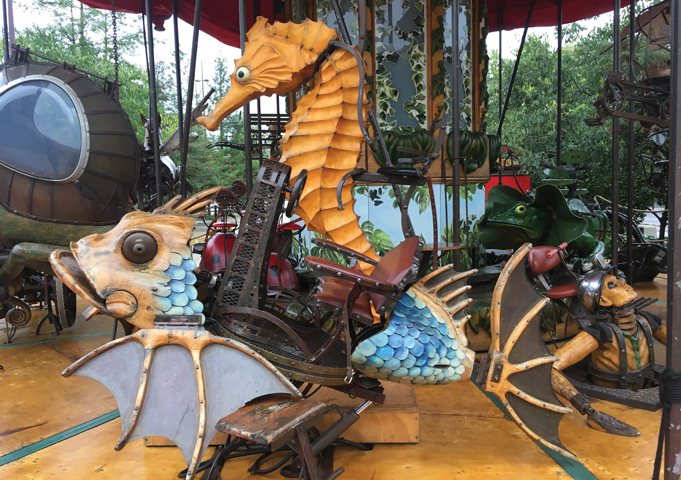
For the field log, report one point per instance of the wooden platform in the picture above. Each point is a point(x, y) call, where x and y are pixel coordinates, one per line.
point(396, 421)
point(461, 433)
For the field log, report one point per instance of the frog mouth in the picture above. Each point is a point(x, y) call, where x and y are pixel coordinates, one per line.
point(66, 267)
point(513, 226)
point(507, 224)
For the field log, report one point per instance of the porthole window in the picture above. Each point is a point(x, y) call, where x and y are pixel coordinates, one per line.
point(44, 133)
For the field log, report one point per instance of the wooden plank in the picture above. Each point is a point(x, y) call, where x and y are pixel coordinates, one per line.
point(396, 421)
point(465, 448)
point(37, 402)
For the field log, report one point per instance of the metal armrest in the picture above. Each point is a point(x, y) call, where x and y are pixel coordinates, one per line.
point(348, 252)
point(355, 277)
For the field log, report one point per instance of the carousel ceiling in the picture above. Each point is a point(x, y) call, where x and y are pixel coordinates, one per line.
point(545, 14)
point(219, 18)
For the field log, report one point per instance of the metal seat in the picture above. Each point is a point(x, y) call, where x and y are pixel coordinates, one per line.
point(381, 287)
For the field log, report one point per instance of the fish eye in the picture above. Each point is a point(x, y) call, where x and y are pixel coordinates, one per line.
point(521, 209)
point(139, 248)
point(612, 285)
point(243, 75)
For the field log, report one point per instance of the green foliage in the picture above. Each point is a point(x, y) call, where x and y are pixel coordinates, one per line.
point(83, 36)
point(530, 124)
point(325, 253)
point(378, 238)
point(470, 257)
point(420, 197)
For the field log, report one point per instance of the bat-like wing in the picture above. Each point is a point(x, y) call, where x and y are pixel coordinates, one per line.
point(519, 364)
point(178, 384)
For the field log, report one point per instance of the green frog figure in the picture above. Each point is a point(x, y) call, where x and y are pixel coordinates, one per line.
point(512, 219)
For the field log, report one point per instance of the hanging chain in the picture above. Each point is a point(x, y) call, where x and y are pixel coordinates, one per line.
point(115, 39)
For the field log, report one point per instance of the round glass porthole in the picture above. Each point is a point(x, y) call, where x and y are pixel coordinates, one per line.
point(43, 129)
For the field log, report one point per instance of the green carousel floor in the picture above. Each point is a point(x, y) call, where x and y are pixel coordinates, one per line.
point(52, 427)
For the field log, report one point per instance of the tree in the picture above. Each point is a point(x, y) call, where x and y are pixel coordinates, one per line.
point(530, 122)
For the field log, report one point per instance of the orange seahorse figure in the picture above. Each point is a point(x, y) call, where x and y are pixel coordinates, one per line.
point(324, 135)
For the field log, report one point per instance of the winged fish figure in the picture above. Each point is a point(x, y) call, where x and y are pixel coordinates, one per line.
point(171, 382)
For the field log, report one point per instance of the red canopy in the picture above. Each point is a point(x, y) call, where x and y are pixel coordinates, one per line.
point(545, 13)
point(219, 18)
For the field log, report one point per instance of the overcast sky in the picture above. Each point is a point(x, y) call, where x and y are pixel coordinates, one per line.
point(210, 49)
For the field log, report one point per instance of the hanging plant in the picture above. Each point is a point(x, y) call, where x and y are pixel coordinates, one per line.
point(407, 137)
point(473, 146)
point(494, 153)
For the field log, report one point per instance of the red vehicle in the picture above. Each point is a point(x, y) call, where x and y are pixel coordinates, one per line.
point(221, 237)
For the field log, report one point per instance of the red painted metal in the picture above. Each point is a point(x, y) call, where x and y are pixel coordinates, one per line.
point(217, 251)
point(281, 274)
point(523, 180)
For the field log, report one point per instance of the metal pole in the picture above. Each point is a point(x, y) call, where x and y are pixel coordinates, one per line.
point(456, 200)
point(5, 31)
point(500, 23)
point(260, 157)
point(247, 108)
point(672, 435)
point(500, 65)
point(153, 105)
point(559, 100)
point(198, 5)
point(615, 138)
point(632, 145)
point(515, 68)
point(178, 81)
point(10, 22)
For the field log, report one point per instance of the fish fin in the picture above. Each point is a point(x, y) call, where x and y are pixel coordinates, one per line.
point(518, 368)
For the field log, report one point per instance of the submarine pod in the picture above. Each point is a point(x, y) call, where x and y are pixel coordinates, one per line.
point(69, 153)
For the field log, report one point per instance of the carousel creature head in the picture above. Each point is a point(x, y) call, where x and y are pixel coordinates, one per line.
point(599, 289)
point(142, 267)
point(277, 58)
point(511, 218)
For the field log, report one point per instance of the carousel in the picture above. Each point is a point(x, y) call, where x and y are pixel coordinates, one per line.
point(338, 313)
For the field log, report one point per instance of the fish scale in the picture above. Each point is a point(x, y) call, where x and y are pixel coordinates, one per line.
point(416, 347)
point(181, 294)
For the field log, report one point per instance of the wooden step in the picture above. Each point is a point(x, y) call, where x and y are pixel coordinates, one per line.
point(396, 421)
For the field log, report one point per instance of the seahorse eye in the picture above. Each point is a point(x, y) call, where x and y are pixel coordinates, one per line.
point(243, 75)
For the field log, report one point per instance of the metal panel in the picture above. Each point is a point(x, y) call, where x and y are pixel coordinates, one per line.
point(228, 389)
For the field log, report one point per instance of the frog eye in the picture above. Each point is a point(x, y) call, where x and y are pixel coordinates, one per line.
point(612, 285)
point(521, 209)
point(243, 75)
point(139, 247)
